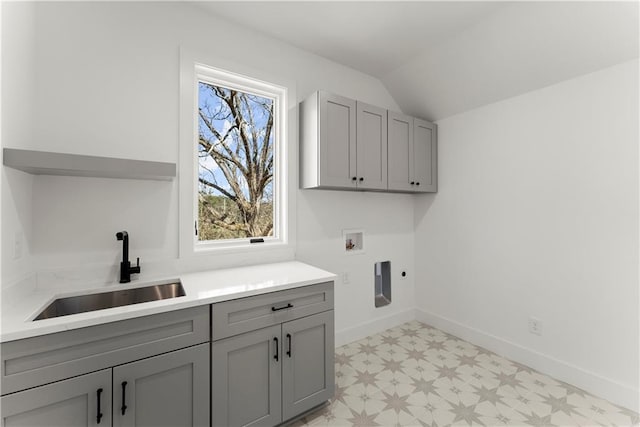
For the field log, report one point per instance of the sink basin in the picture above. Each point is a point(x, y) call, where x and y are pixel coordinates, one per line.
point(103, 300)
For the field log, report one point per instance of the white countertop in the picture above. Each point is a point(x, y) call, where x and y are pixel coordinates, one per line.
point(201, 288)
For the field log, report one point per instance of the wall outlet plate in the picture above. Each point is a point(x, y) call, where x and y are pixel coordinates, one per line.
point(345, 278)
point(18, 243)
point(535, 326)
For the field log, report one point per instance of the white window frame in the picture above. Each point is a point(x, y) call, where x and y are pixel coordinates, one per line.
point(192, 72)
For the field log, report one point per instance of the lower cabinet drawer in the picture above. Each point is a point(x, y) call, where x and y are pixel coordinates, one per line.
point(40, 360)
point(247, 314)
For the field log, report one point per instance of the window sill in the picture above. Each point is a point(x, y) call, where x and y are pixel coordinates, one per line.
point(238, 247)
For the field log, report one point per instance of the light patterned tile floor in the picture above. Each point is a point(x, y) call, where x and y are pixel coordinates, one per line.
point(416, 375)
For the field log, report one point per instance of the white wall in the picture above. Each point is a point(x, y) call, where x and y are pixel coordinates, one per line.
point(537, 215)
point(104, 79)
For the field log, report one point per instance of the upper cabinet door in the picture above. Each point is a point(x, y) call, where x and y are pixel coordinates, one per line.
point(400, 161)
point(371, 152)
point(337, 141)
point(424, 156)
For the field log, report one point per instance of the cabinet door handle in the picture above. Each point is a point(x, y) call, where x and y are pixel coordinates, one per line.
point(282, 308)
point(354, 178)
point(417, 183)
point(124, 406)
point(361, 179)
point(99, 416)
point(412, 182)
point(289, 340)
point(275, 356)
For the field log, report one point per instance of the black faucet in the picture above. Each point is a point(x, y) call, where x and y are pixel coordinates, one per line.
point(125, 265)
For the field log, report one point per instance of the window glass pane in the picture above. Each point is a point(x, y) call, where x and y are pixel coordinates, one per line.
point(235, 164)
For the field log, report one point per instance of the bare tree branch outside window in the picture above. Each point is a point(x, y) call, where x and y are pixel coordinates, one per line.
point(235, 157)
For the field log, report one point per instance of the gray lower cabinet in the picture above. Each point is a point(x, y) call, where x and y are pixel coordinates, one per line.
point(272, 356)
point(147, 371)
point(264, 377)
point(308, 363)
point(170, 390)
point(167, 390)
point(77, 402)
point(245, 381)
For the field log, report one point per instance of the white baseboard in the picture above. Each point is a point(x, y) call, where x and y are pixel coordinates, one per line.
point(615, 392)
point(355, 333)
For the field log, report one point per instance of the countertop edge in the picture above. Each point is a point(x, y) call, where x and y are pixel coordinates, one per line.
point(196, 296)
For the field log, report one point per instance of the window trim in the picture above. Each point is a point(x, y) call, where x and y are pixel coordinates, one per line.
point(192, 70)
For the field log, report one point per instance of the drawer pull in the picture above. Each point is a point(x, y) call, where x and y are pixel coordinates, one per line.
point(99, 416)
point(282, 308)
point(123, 407)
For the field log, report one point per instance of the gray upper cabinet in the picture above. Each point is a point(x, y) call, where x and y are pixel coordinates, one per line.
point(371, 147)
point(351, 145)
point(245, 381)
point(328, 129)
point(400, 148)
point(307, 366)
point(412, 165)
point(425, 155)
point(167, 390)
point(77, 402)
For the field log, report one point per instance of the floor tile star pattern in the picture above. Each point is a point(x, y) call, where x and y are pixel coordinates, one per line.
point(416, 375)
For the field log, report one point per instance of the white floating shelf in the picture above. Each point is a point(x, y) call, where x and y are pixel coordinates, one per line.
point(47, 163)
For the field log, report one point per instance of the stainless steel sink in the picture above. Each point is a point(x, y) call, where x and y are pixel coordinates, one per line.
point(103, 300)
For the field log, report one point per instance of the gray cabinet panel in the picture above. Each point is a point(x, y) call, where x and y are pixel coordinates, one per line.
point(308, 363)
point(69, 403)
point(400, 164)
point(412, 154)
point(245, 380)
point(169, 390)
point(350, 145)
point(48, 358)
point(425, 156)
point(327, 141)
point(246, 314)
point(337, 140)
point(371, 147)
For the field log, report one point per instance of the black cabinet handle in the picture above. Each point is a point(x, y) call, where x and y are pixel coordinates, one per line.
point(354, 178)
point(275, 356)
point(282, 308)
point(99, 416)
point(361, 179)
point(124, 407)
point(289, 339)
point(417, 183)
point(412, 183)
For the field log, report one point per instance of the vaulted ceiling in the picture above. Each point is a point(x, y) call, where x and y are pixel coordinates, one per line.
point(442, 58)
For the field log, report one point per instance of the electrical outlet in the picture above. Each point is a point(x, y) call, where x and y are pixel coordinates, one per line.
point(535, 326)
point(345, 277)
